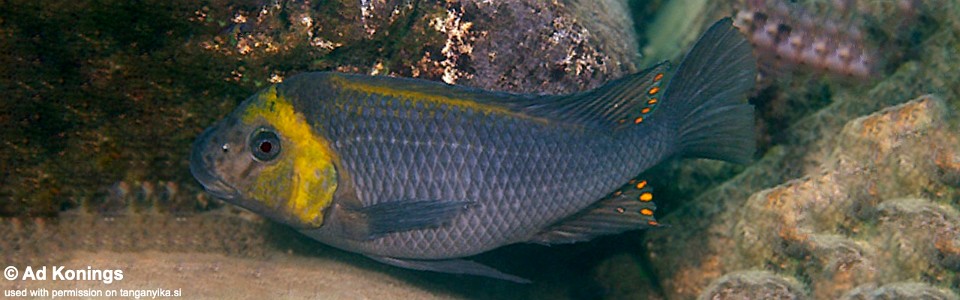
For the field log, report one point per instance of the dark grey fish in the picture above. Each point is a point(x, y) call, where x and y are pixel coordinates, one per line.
point(419, 174)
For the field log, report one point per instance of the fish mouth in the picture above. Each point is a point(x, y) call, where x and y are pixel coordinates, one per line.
point(200, 167)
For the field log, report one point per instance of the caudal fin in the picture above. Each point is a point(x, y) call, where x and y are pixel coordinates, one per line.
point(707, 94)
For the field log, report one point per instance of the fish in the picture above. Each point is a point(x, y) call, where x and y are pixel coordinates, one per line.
point(421, 174)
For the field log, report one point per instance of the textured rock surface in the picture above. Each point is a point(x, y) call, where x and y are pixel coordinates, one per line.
point(899, 290)
point(753, 285)
point(107, 96)
point(117, 98)
point(881, 209)
point(106, 99)
point(519, 46)
point(586, 44)
point(801, 120)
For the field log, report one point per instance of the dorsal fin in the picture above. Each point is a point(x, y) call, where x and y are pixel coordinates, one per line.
point(623, 101)
point(627, 100)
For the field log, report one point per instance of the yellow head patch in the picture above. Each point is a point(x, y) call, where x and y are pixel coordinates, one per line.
point(303, 180)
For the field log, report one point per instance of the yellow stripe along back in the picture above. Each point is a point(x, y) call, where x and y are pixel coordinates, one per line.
point(431, 99)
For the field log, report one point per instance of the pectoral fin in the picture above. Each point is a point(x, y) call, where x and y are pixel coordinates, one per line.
point(371, 221)
point(453, 266)
point(629, 208)
point(404, 215)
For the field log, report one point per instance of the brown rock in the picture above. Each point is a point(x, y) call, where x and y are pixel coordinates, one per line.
point(876, 211)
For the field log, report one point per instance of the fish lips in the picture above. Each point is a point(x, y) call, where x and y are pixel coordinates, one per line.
point(201, 164)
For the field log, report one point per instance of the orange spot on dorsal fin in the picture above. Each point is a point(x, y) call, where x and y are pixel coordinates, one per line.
point(611, 106)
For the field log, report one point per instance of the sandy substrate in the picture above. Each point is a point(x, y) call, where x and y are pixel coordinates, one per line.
point(205, 276)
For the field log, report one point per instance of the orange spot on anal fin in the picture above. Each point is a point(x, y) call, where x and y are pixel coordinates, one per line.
point(618, 212)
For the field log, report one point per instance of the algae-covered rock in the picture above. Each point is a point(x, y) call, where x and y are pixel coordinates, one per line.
point(880, 209)
point(104, 98)
point(519, 46)
point(899, 290)
point(728, 228)
point(753, 285)
point(584, 45)
point(106, 92)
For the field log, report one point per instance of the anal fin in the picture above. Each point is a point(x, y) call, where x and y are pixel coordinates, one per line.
point(453, 266)
point(629, 208)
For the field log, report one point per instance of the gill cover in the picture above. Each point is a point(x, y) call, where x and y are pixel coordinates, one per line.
point(298, 178)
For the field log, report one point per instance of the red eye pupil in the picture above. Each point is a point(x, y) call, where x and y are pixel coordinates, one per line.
point(265, 147)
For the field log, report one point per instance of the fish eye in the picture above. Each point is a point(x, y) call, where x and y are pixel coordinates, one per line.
point(265, 144)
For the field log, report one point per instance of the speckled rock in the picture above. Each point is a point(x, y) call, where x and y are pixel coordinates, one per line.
point(753, 285)
point(485, 44)
point(899, 290)
point(584, 45)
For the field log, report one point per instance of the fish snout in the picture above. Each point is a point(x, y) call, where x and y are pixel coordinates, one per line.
point(207, 151)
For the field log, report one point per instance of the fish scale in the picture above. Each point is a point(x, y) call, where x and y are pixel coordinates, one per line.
point(490, 141)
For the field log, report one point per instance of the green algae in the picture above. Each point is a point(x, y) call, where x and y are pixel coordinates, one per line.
point(99, 92)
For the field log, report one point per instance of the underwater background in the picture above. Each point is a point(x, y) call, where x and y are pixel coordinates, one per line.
point(853, 193)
